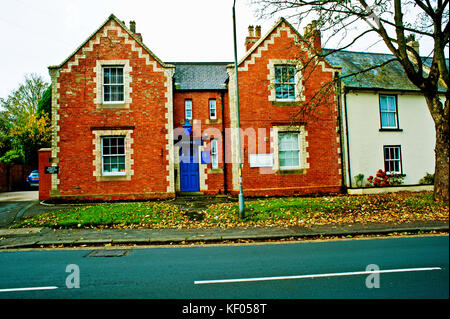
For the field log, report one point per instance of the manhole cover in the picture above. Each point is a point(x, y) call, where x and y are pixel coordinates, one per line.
point(109, 253)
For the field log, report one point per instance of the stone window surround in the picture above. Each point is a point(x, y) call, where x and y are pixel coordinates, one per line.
point(97, 152)
point(304, 165)
point(298, 79)
point(98, 70)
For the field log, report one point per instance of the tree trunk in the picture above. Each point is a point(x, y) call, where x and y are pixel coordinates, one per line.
point(441, 173)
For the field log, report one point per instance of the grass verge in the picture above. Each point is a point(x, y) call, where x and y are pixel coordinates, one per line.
point(285, 211)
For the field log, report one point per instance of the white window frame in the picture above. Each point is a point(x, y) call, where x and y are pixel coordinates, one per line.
point(110, 155)
point(188, 106)
point(299, 80)
point(214, 154)
point(395, 112)
point(287, 67)
point(212, 107)
point(113, 84)
point(399, 159)
point(298, 150)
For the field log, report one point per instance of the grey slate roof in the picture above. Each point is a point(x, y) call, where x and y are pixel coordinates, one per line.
point(389, 77)
point(200, 75)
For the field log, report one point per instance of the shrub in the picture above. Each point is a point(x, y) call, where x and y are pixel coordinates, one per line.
point(380, 180)
point(428, 179)
point(359, 179)
point(395, 179)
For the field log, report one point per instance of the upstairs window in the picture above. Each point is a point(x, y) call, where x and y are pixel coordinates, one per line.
point(113, 155)
point(113, 84)
point(212, 109)
point(188, 109)
point(388, 112)
point(284, 82)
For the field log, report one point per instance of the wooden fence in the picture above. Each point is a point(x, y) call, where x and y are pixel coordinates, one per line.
point(12, 177)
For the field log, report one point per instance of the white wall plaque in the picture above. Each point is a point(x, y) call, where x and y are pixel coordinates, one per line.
point(261, 160)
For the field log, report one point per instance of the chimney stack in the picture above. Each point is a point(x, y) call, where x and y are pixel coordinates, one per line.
point(252, 38)
point(312, 35)
point(133, 26)
point(133, 30)
point(411, 42)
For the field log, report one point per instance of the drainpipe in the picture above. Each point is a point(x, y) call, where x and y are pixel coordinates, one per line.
point(347, 138)
point(338, 89)
point(225, 187)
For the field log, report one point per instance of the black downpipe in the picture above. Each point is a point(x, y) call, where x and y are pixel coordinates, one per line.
point(347, 138)
point(338, 89)
point(225, 188)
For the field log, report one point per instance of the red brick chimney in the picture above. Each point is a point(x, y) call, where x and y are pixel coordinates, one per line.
point(133, 30)
point(312, 35)
point(252, 37)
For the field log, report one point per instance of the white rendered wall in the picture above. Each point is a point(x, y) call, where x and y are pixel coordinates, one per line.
point(366, 141)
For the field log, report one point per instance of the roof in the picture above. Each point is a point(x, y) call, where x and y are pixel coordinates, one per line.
point(391, 76)
point(200, 75)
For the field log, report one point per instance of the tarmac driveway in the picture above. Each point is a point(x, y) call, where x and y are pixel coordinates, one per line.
point(13, 203)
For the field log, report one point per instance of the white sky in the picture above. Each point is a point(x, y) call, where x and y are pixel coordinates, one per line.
point(37, 34)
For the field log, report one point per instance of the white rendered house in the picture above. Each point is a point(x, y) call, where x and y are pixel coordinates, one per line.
point(385, 122)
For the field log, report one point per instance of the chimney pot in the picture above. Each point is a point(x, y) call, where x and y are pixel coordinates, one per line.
point(250, 31)
point(258, 31)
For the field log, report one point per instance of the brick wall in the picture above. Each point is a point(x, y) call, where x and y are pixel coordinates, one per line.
point(202, 124)
point(45, 182)
point(81, 118)
point(258, 110)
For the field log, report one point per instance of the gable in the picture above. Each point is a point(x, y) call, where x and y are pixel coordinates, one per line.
point(112, 23)
point(262, 45)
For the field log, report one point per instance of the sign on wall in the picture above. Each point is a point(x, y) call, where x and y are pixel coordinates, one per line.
point(261, 160)
point(51, 169)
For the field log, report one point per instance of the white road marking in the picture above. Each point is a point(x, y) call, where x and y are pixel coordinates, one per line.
point(28, 289)
point(354, 273)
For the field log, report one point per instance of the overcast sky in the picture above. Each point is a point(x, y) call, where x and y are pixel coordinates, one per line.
point(36, 34)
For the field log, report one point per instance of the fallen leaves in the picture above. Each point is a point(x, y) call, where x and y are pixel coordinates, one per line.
point(268, 212)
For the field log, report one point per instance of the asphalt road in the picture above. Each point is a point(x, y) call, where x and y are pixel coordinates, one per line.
point(11, 204)
point(409, 267)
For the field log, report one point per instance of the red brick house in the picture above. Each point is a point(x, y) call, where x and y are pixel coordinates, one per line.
point(120, 117)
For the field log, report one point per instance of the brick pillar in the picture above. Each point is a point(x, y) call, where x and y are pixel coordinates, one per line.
point(45, 180)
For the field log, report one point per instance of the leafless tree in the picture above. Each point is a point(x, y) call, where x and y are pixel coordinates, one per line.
point(394, 23)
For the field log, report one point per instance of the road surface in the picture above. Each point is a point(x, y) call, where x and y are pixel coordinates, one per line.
point(404, 267)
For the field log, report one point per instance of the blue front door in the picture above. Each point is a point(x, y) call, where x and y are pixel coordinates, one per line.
point(189, 181)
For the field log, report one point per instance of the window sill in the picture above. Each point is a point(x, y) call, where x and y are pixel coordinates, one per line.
point(285, 103)
point(291, 171)
point(112, 178)
point(114, 106)
point(213, 121)
point(215, 171)
point(395, 174)
point(391, 130)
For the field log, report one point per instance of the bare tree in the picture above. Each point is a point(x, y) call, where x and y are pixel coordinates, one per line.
point(395, 23)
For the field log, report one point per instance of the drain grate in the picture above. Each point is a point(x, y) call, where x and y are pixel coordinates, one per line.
point(109, 253)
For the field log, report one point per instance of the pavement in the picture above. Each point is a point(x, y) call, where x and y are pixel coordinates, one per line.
point(47, 237)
